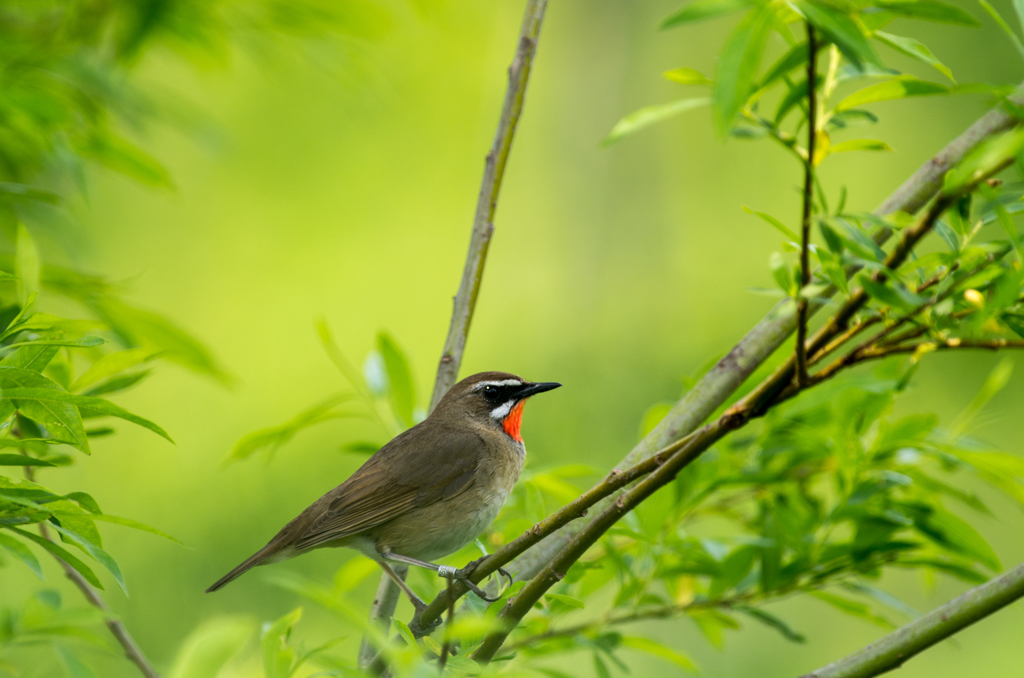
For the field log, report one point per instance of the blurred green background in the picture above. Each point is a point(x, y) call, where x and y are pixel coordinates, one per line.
point(341, 182)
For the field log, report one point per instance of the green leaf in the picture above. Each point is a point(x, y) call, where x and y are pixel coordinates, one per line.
point(210, 647)
point(99, 405)
point(82, 342)
point(22, 553)
point(704, 9)
point(645, 117)
point(897, 88)
point(120, 155)
point(403, 630)
point(782, 274)
point(64, 555)
point(733, 570)
point(61, 418)
point(791, 60)
point(133, 524)
point(997, 17)
point(278, 657)
point(851, 607)
point(94, 550)
point(840, 29)
point(276, 436)
point(859, 145)
point(948, 529)
point(22, 460)
point(111, 365)
point(144, 329)
point(568, 601)
point(26, 265)
point(915, 50)
point(774, 622)
point(882, 293)
point(785, 230)
point(737, 66)
point(658, 650)
point(929, 11)
point(686, 76)
point(403, 395)
point(984, 158)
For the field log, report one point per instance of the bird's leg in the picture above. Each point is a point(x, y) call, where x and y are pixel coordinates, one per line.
point(413, 598)
point(442, 571)
point(470, 567)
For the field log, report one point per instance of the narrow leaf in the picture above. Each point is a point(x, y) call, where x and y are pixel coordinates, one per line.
point(915, 50)
point(99, 405)
point(704, 9)
point(840, 28)
point(22, 553)
point(860, 145)
point(737, 66)
point(645, 117)
point(897, 88)
point(929, 11)
point(785, 230)
point(64, 555)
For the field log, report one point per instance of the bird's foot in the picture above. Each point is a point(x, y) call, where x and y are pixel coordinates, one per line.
point(464, 573)
point(418, 628)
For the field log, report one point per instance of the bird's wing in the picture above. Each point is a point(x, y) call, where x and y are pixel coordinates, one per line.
point(423, 470)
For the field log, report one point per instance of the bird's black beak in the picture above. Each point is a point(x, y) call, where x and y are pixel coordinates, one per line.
point(528, 390)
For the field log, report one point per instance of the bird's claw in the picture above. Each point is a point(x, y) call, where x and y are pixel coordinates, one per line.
point(464, 573)
point(418, 628)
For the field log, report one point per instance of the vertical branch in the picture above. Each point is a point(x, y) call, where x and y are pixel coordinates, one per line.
point(469, 288)
point(483, 222)
point(805, 224)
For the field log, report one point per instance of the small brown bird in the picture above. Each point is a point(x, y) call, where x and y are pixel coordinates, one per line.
point(428, 492)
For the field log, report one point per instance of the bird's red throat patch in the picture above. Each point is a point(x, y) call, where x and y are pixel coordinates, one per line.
point(513, 421)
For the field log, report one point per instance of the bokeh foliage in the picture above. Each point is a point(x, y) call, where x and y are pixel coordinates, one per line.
point(810, 502)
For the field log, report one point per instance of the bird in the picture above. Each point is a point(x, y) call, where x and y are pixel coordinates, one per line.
point(427, 493)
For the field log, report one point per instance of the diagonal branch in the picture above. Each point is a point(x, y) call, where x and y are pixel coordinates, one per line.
point(464, 304)
point(722, 380)
point(902, 644)
point(775, 389)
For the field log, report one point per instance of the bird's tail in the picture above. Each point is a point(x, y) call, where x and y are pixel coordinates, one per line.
point(258, 558)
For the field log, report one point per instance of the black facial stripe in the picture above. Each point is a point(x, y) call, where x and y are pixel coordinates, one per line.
point(497, 395)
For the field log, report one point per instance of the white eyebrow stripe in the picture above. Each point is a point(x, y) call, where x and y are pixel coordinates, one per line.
point(506, 382)
point(501, 411)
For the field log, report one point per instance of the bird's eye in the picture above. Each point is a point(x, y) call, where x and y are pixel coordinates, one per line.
point(490, 391)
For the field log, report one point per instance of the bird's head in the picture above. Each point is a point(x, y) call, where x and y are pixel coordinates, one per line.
point(493, 398)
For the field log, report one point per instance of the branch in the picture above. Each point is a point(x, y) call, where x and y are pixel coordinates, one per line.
point(469, 288)
point(805, 222)
point(722, 380)
point(773, 390)
point(900, 645)
point(483, 222)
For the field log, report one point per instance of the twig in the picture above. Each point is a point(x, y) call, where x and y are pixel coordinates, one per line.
point(446, 648)
point(805, 222)
point(483, 222)
point(575, 509)
point(469, 288)
point(722, 380)
point(131, 649)
point(775, 389)
point(900, 645)
point(660, 612)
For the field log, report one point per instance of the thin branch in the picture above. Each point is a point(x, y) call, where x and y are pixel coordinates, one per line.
point(900, 645)
point(774, 390)
point(805, 222)
point(483, 222)
point(660, 612)
point(575, 509)
point(131, 649)
point(722, 380)
point(469, 288)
